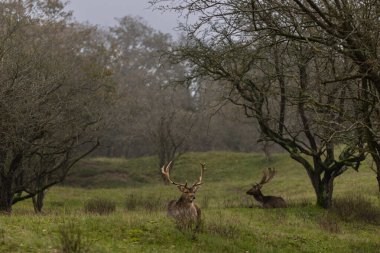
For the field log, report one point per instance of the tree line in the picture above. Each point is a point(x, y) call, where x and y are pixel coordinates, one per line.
point(159, 112)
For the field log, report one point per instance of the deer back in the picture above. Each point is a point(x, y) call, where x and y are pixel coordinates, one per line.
point(273, 202)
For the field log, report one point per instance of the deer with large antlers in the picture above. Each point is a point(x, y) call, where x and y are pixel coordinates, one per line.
point(184, 210)
point(266, 201)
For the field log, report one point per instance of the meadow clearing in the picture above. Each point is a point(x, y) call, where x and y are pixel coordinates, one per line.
point(232, 220)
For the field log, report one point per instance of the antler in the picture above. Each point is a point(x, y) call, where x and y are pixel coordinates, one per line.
point(199, 182)
point(268, 175)
point(165, 172)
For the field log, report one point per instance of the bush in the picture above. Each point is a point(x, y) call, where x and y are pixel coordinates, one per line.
point(227, 229)
point(149, 204)
point(100, 206)
point(356, 209)
point(131, 203)
point(71, 239)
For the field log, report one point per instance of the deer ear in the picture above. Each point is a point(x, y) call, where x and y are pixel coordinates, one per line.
point(195, 188)
point(182, 188)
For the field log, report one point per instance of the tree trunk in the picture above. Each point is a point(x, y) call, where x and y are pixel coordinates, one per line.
point(324, 191)
point(373, 144)
point(376, 169)
point(6, 183)
point(6, 196)
point(376, 160)
point(266, 151)
point(38, 201)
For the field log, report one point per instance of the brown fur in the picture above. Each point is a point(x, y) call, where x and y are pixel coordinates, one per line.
point(184, 210)
point(266, 201)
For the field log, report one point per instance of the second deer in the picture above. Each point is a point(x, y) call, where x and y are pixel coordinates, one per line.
point(184, 210)
point(266, 201)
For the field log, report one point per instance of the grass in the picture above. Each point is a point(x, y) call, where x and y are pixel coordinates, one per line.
point(139, 222)
point(99, 206)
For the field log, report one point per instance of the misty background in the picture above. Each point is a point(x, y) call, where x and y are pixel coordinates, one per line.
point(106, 12)
point(193, 121)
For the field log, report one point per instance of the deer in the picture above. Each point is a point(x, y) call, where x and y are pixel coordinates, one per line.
point(266, 201)
point(184, 210)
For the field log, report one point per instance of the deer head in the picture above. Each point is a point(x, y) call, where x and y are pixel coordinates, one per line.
point(268, 174)
point(188, 192)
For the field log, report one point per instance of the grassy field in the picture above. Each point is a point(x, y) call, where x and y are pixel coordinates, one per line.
point(140, 224)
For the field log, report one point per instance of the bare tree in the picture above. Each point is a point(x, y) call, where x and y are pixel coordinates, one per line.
point(153, 117)
point(157, 115)
point(349, 28)
point(52, 92)
point(271, 78)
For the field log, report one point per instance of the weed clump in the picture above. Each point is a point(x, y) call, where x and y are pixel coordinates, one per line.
point(71, 239)
point(134, 202)
point(222, 226)
point(131, 202)
point(223, 229)
point(100, 206)
point(329, 223)
point(356, 208)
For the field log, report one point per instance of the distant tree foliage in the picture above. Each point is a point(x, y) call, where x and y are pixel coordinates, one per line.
point(158, 115)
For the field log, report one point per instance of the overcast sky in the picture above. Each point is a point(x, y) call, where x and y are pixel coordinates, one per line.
point(104, 12)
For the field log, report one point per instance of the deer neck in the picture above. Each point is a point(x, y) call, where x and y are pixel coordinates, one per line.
point(258, 195)
point(184, 203)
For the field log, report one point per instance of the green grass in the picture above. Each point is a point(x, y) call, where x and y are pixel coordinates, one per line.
point(229, 225)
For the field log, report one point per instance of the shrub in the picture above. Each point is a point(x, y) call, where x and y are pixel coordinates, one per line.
point(355, 208)
point(149, 204)
point(152, 205)
point(71, 239)
point(329, 223)
point(220, 225)
point(222, 228)
point(131, 202)
point(100, 206)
